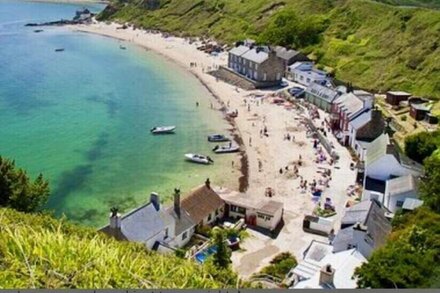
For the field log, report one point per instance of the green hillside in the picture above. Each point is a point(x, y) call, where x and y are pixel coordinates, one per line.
point(421, 3)
point(373, 45)
point(37, 251)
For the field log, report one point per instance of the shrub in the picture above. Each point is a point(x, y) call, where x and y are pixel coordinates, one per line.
point(280, 265)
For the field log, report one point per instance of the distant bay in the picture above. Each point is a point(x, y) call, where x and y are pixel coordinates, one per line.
point(82, 117)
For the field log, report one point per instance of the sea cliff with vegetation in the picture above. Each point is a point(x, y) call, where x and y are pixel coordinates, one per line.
point(375, 46)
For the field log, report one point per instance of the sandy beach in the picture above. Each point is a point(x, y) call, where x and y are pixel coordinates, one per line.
point(271, 157)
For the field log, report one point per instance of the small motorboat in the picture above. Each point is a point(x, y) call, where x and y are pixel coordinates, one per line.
point(223, 149)
point(38, 31)
point(122, 47)
point(200, 159)
point(217, 138)
point(59, 50)
point(163, 129)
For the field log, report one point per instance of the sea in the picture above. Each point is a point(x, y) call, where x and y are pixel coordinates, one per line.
point(82, 117)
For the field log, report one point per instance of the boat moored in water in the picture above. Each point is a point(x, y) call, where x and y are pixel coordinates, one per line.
point(59, 50)
point(122, 47)
point(200, 159)
point(163, 129)
point(217, 138)
point(224, 149)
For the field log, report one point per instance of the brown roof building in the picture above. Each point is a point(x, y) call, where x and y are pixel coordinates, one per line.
point(203, 204)
point(395, 97)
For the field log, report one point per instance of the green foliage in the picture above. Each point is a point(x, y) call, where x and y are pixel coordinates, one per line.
point(37, 251)
point(288, 29)
point(280, 265)
point(222, 258)
point(430, 185)
point(411, 256)
point(18, 191)
point(421, 145)
point(404, 118)
point(375, 46)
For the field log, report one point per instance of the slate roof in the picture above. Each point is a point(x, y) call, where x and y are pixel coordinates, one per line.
point(140, 224)
point(323, 92)
point(201, 202)
point(240, 50)
point(286, 54)
point(182, 223)
point(373, 129)
point(401, 185)
point(377, 149)
point(361, 120)
point(350, 103)
point(257, 56)
point(370, 214)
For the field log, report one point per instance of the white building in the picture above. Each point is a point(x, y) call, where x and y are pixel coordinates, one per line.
point(266, 214)
point(397, 190)
point(322, 269)
point(305, 73)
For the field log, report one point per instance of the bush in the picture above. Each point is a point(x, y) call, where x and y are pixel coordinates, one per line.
point(403, 118)
point(421, 145)
point(280, 265)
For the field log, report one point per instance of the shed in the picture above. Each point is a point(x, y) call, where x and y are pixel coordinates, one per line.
point(418, 111)
point(395, 97)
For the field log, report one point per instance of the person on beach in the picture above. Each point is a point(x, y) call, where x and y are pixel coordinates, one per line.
point(281, 170)
point(249, 108)
point(250, 141)
point(260, 166)
point(233, 164)
point(197, 104)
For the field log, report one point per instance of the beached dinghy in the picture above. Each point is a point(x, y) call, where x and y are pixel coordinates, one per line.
point(200, 159)
point(217, 138)
point(223, 149)
point(163, 129)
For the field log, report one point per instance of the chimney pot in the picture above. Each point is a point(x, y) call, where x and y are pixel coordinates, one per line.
point(177, 202)
point(115, 219)
point(208, 183)
point(327, 275)
point(154, 199)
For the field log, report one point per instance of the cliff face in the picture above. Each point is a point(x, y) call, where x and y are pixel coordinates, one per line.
point(373, 45)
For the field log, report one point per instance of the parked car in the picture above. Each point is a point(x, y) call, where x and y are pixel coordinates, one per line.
point(296, 91)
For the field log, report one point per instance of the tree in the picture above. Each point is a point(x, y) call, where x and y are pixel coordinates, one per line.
point(430, 183)
point(17, 191)
point(421, 145)
point(288, 29)
point(222, 258)
point(410, 257)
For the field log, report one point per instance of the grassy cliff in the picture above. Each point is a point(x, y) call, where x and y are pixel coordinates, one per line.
point(37, 251)
point(373, 45)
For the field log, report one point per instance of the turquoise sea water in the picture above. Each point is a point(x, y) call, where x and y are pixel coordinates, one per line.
point(82, 117)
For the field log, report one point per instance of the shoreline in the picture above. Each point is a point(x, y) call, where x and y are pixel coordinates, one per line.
point(71, 1)
point(268, 158)
point(243, 180)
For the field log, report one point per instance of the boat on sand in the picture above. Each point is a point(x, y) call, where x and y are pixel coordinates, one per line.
point(223, 149)
point(200, 159)
point(163, 129)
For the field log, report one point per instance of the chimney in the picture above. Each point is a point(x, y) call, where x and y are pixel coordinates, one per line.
point(115, 218)
point(208, 183)
point(177, 202)
point(154, 199)
point(327, 275)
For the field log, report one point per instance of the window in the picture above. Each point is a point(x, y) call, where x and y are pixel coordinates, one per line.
point(216, 212)
point(239, 210)
point(399, 204)
point(184, 235)
point(209, 217)
point(256, 66)
point(264, 217)
point(308, 79)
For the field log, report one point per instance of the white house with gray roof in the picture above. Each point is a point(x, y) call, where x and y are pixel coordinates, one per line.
point(383, 161)
point(397, 190)
point(306, 74)
point(147, 224)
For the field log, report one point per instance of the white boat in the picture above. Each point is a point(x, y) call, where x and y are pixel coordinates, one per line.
point(200, 159)
point(223, 149)
point(163, 129)
point(217, 138)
